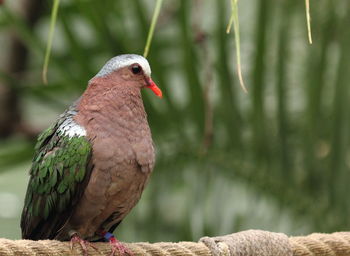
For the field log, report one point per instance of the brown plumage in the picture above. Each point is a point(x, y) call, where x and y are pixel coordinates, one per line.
point(112, 112)
point(111, 116)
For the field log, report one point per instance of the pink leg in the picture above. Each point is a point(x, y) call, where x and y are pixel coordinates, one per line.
point(83, 243)
point(116, 245)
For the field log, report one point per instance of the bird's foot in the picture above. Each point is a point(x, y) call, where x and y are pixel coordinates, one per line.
point(117, 246)
point(75, 238)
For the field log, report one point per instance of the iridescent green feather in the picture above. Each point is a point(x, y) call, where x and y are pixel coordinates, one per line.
point(59, 166)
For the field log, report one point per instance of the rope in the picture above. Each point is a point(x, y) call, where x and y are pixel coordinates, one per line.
point(321, 244)
point(251, 242)
point(246, 243)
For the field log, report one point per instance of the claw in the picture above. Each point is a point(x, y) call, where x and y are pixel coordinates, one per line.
point(83, 243)
point(118, 246)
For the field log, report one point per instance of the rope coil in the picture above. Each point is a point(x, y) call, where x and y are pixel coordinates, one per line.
point(250, 242)
point(245, 243)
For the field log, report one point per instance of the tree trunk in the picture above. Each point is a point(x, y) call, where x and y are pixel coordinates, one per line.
point(15, 65)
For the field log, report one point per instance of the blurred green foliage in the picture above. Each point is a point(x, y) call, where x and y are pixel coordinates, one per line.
point(276, 158)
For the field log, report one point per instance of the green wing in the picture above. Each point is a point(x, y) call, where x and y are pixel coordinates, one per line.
point(58, 177)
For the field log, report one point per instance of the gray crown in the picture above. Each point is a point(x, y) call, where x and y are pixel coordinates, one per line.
point(122, 61)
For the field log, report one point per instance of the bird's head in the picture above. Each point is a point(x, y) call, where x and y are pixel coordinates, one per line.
point(133, 69)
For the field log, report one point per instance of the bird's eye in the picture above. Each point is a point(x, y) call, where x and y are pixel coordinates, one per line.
point(136, 69)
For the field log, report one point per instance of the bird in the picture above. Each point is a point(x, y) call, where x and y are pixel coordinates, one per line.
point(90, 167)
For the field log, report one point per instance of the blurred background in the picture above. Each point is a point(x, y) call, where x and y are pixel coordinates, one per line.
point(277, 158)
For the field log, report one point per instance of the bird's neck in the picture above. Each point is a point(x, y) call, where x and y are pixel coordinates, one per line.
point(113, 109)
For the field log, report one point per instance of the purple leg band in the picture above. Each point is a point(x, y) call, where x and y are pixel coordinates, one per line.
point(108, 236)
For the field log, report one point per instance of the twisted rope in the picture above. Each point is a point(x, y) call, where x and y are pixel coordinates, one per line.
point(246, 243)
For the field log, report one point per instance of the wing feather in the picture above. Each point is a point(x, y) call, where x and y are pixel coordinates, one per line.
point(59, 174)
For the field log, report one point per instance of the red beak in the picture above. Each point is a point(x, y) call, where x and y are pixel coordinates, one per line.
point(152, 85)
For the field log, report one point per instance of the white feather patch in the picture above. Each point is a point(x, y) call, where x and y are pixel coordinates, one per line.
point(70, 128)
